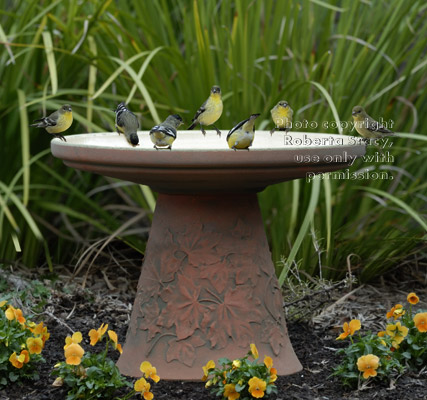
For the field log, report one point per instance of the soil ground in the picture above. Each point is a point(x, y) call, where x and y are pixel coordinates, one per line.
point(108, 299)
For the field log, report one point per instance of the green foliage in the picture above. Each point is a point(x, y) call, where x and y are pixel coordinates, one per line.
point(21, 344)
point(92, 375)
point(241, 376)
point(162, 57)
point(34, 297)
point(94, 378)
point(389, 366)
point(400, 347)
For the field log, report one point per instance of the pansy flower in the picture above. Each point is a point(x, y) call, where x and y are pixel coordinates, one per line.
point(257, 387)
point(209, 365)
point(141, 385)
point(75, 339)
point(397, 332)
point(420, 321)
point(149, 371)
point(113, 337)
point(230, 392)
point(73, 354)
point(19, 361)
point(412, 298)
point(35, 345)
point(254, 351)
point(268, 362)
point(349, 328)
point(273, 376)
point(396, 312)
point(15, 313)
point(96, 335)
point(368, 365)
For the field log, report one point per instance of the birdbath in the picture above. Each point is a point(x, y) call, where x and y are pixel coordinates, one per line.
point(208, 287)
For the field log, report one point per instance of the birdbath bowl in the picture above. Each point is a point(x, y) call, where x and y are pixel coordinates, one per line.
point(208, 287)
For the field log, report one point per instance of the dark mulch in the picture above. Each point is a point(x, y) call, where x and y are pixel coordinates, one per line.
point(314, 343)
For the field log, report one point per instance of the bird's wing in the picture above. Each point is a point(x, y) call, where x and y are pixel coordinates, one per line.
point(201, 110)
point(44, 122)
point(238, 126)
point(120, 120)
point(375, 126)
point(54, 116)
point(169, 131)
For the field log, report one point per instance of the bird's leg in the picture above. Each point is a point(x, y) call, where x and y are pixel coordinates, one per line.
point(170, 147)
point(203, 131)
point(155, 147)
point(58, 135)
point(272, 131)
point(217, 131)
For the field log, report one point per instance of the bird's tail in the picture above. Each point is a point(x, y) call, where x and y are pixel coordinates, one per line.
point(40, 123)
point(191, 126)
point(133, 138)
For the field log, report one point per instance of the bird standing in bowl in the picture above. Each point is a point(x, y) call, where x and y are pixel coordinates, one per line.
point(367, 127)
point(127, 123)
point(242, 135)
point(209, 112)
point(164, 135)
point(281, 114)
point(57, 122)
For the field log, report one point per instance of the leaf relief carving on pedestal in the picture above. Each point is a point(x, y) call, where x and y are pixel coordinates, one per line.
point(272, 334)
point(235, 312)
point(183, 309)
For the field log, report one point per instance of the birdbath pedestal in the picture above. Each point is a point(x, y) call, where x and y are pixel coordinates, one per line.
point(208, 287)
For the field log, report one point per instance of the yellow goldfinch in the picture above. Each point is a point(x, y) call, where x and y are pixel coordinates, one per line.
point(164, 134)
point(209, 112)
point(57, 122)
point(242, 135)
point(282, 117)
point(367, 127)
point(127, 123)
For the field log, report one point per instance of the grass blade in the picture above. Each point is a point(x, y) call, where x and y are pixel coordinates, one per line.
point(315, 190)
point(25, 145)
point(50, 55)
point(417, 217)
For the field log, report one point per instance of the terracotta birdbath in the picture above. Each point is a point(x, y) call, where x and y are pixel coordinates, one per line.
point(208, 286)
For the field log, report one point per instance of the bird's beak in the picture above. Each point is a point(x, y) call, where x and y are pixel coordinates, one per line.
point(354, 113)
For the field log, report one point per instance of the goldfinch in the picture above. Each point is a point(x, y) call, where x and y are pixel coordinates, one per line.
point(164, 134)
point(127, 123)
point(282, 117)
point(209, 112)
point(57, 122)
point(242, 135)
point(367, 127)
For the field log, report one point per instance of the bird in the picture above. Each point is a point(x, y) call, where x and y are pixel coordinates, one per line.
point(367, 127)
point(282, 116)
point(127, 123)
point(57, 122)
point(164, 134)
point(209, 112)
point(242, 135)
